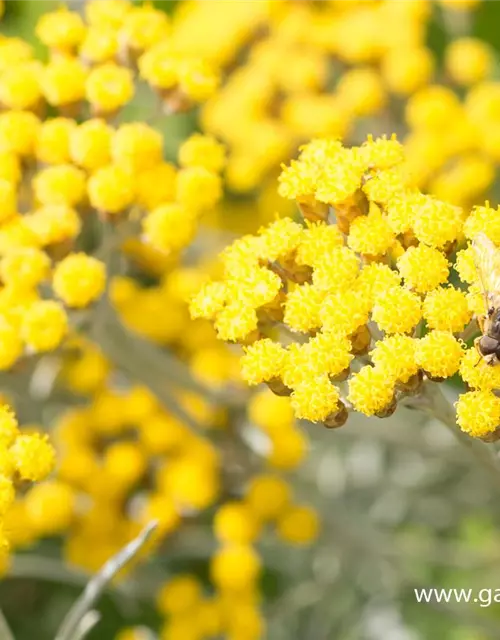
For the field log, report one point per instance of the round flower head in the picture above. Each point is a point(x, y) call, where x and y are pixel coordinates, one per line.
point(34, 456)
point(423, 268)
point(302, 308)
point(202, 151)
point(61, 29)
point(24, 267)
point(325, 354)
point(235, 523)
point(406, 73)
point(156, 186)
point(401, 209)
point(79, 279)
point(18, 132)
point(63, 81)
point(374, 279)
point(370, 391)
point(476, 373)
point(236, 322)
point(50, 507)
point(465, 266)
point(336, 270)
point(396, 356)
point(100, 45)
point(382, 153)
point(268, 496)
point(299, 525)
point(209, 300)
point(7, 494)
point(197, 188)
point(446, 309)
point(143, 27)
point(263, 361)
point(109, 87)
point(468, 60)
point(44, 326)
point(20, 86)
point(90, 144)
point(52, 145)
point(439, 354)
point(397, 311)
point(62, 184)
point(198, 79)
point(315, 399)
point(107, 13)
point(111, 189)
point(280, 238)
point(10, 167)
point(361, 91)
point(11, 345)
point(437, 223)
point(53, 224)
point(382, 187)
point(235, 567)
point(478, 413)
point(169, 227)
point(8, 426)
point(343, 312)
point(483, 220)
point(8, 198)
point(256, 288)
point(340, 180)
point(371, 234)
point(180, 595)
point(317, 240)
point(136, 146)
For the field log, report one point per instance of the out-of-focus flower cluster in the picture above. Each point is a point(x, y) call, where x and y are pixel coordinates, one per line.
point(355, 314)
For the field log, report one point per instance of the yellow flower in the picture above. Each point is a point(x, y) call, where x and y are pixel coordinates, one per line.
point(302, 308)
point(396, 356)
point(25, 267)
point(7, 494)
point(236, 322)
point(299, 525)
point(263, 361)
point(11, 345)
point(468, 60)
point(90, 144)
point(478, 413)
point(79, 280)
point(268, 496)
point(10, 167)
point(60, 185)
point(34, 457)
point(136, 147)
point(374, 279)
point(465, 266)
point(289, 449)
point(63, 81)
point(437, 223)
point(235, 567)
point(423, 268)
point(476, 373)
point(202, 151)
point(406, 71)
point(169, 227)
point(111, 189)
point(179, 595)
point(109, 87)
point(439, 354)
point(50, 507)
point(18, 132)
point(61, 29)
point(52, 145)
point(370, 391)
point(397, 311)
point(361, 91)
point(280, 238)
point(317, 240)
point(483, 220)
point(370, 234)
point(99, 45)
point(315, 399)
point(343, 312)
point(20, 86)
point(53, 223)
point(107, 13)
point(446, 309)
point(44, 325)
point(156, 186)
point(235, 523)
point(8, 426)
point(144, 26)
point(336, 270)
point(198, 189)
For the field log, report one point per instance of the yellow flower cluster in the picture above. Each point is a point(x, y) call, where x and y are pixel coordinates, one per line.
point(24, 458)
point(361, 286)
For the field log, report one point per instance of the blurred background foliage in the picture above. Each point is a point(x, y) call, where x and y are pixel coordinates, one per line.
point(403, 512)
